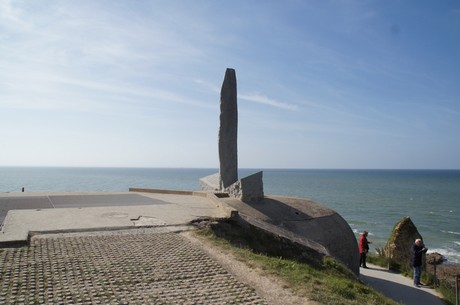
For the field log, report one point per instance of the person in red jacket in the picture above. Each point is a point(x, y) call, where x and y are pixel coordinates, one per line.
point(363, 249)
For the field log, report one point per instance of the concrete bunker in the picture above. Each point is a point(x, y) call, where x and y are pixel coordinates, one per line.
point(316, 229)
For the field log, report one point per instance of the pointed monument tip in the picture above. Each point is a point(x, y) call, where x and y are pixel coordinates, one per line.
point(230, 77)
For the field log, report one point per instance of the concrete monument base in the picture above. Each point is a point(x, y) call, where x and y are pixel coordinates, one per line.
point(248, 189)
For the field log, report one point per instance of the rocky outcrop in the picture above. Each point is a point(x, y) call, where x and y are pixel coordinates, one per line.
point(400, 242)
point(435, 258)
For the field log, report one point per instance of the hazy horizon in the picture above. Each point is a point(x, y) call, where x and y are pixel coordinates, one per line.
point(240, 168)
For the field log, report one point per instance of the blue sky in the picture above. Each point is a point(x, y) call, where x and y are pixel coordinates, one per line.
point(321, 84)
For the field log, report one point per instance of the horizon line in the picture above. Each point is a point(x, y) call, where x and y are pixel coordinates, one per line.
point(217, 169)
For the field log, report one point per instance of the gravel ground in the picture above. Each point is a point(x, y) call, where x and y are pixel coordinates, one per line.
point(131, 267)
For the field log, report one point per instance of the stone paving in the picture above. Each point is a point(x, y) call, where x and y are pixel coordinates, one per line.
point(134, 268)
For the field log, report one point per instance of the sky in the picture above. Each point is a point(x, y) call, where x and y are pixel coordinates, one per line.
point(321, 84)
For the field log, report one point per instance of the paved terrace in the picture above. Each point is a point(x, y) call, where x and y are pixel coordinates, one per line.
point(54, 212)
point(151, 263)
point(137, 267)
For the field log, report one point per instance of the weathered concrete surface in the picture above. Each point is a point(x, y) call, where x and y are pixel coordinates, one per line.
point(130, 268)
point(306, 222)
point(248, 189)
point(23, 202)
point(37, 200)
point(211, 183)
point(157, 210)
point(299, 220)
point(228, 132)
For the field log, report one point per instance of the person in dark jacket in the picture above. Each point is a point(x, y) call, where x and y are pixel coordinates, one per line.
point(363, 249)
point(416, 253)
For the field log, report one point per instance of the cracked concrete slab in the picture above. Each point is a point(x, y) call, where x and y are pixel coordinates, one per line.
point(157, 210)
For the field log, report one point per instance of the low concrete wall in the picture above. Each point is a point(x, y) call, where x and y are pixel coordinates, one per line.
point(171, 192)
point(231, 212)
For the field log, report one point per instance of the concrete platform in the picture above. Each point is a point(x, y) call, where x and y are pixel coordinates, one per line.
point(73, 212)
point(20, 201)
point(40, 213)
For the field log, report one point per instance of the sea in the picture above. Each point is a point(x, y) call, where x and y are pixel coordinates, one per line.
point(372, 200)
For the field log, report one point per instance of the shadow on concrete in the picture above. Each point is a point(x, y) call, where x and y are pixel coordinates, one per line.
point(21, 203)
point(87, 201)
point(277, 211)
point(72, 201)
point(313, 225)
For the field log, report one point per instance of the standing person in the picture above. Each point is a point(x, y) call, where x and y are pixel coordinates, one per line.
point(416, 252)
point(363, 249)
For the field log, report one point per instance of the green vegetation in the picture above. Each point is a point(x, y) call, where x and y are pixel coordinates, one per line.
point(447, 293)
point(378, 260)
point(326, 283)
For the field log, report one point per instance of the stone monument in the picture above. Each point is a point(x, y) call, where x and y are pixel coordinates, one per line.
point(312, 230)
point(228, 131)
point(226, 180)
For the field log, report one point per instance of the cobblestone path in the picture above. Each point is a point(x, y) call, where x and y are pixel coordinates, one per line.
point(137, 268)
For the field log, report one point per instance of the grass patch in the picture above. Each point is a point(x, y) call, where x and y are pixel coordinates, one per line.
point(377, 260)
point(384, 262)
point(327, 283)
point(448, 294)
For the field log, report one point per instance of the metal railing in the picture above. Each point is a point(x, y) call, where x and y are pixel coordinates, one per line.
point(457, 284)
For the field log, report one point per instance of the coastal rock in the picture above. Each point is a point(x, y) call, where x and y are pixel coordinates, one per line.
point(435, 258)
point(400, 242)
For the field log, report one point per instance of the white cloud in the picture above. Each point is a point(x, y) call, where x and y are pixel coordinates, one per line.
point(8, 13)
point(262, 99)
point(156, 61)
point(253, 97)
point(207, 85)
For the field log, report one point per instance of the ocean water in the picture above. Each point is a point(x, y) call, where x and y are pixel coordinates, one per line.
point(372, 200)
